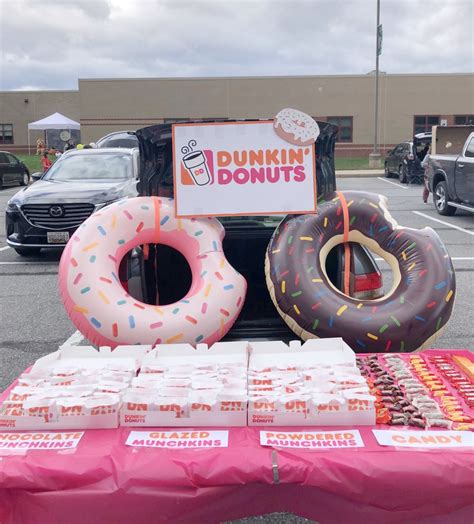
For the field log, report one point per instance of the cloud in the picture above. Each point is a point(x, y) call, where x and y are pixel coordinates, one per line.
point(52, 43)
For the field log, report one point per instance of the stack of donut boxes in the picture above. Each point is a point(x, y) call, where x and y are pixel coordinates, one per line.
point(255, 384)
point(229, 384)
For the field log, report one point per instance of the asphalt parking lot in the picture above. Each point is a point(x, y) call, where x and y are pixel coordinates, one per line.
point(34, 322)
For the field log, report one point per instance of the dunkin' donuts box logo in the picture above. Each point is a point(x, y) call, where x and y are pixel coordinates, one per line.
point(241, 168)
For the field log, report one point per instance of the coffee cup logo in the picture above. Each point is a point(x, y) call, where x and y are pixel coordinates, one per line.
point(196, 164)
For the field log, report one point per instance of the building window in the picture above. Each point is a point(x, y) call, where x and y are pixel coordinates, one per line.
point(423, 124)
point(6, 133)
point(345, 127)
point(463, 120)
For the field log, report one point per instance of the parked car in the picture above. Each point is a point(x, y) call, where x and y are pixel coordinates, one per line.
point(12, 170)
point(451, 176)
point(47, 213)
point(126, 139)
point(245, 244)
point(404, 160)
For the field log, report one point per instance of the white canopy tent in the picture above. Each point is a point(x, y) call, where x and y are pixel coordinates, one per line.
point(54, 121)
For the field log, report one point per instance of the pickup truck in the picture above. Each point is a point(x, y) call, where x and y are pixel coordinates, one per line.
point(450, 169)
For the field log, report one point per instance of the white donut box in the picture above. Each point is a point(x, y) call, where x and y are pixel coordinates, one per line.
point(199, 407)
point(351, 405)
point(83, 357)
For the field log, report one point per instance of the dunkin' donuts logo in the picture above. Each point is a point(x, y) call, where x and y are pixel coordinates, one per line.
point(248, 166)
point(196, 166)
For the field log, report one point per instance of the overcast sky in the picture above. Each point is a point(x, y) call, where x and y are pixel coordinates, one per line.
point(49, 44)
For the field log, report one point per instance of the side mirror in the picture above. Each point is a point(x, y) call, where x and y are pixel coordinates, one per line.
point(36, 176)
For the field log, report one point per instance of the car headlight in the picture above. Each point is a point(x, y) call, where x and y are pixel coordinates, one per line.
point(12, 206)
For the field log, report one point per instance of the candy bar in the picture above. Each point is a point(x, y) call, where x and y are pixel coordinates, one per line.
point(441, 423)
point(466, 365)
point(418, 422)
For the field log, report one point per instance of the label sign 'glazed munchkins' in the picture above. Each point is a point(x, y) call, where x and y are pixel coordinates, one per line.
point(243, 168)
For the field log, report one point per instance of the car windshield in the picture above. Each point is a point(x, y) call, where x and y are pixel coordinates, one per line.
point(126, 141)
point(93, 167)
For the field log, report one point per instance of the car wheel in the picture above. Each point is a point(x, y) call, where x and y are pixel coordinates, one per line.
point(25, 179)
point(27, 251)
point(402, 174)
point(440, 198)
point(386, 171)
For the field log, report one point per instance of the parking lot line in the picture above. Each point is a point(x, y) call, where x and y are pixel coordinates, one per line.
point(4, 247)
point(393, 183)
point(454, 226)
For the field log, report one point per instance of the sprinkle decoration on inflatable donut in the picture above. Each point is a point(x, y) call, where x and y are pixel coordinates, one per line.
point(410, 316)
point(296, 127)
point(107, 315)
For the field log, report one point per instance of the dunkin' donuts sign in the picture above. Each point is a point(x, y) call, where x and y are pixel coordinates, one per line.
point(242, 168)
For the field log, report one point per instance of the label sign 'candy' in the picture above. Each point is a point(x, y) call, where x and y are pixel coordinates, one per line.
point(424, 439)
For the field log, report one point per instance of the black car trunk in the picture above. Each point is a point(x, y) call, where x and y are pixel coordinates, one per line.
point(156, 160)
point(167, 274)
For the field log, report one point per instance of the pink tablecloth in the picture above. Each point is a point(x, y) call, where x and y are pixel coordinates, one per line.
point(105, 481)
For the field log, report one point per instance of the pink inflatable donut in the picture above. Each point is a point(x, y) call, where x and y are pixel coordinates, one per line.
point(101, 308)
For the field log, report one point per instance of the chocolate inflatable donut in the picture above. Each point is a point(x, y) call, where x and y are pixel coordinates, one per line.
point(410, 316)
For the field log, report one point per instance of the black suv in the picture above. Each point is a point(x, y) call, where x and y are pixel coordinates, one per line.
point(404, 160)
point(152, 272)
point(46, 214)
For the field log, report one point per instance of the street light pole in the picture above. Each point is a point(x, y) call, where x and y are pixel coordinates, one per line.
point(374, 157)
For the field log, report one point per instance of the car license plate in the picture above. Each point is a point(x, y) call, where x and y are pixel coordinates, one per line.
point(57, 237)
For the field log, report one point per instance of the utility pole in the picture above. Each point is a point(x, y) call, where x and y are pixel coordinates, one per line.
point(375, 157)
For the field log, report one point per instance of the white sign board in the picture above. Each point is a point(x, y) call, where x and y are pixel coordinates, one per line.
point(39, 440)
point(178, 439)
point(240, 168)
point(424, 439)
point(314, 440)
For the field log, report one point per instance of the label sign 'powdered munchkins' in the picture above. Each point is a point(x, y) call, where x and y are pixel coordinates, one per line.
point(241, 168)
point(39, 440)
point(424, 439)
point(178, 439)
point(317, 440)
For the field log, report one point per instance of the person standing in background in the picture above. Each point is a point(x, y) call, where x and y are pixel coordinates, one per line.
point(69, 145)
point(424, 165)
point(46, 162)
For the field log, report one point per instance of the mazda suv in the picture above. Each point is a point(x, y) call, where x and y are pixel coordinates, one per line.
point(46, 214)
